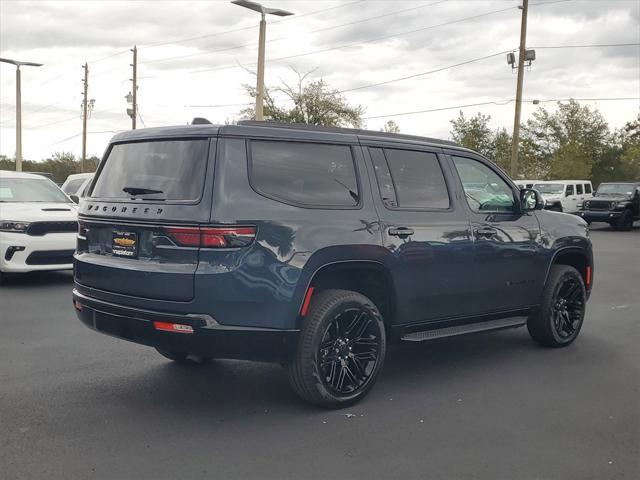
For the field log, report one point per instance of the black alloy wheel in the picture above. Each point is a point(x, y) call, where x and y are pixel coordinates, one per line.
point(349, 351)
point(567, 311)
point(341, 349)
point(558, 320)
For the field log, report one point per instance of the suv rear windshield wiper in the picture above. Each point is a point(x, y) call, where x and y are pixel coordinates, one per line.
point(140, 191)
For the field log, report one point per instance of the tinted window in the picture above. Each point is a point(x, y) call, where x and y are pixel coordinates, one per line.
point(172, 170)
point(579, 189)
point(484, 189)
point(385, 182)
point(417, 177)
point(73, 185)
point(569, 190)
point(305, 173)
point(30, 190)
point(587, 188)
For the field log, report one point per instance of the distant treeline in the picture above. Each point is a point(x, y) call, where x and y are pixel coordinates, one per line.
point(60, 165)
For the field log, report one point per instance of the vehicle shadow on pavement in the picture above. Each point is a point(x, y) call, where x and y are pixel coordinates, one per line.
point(226, 389)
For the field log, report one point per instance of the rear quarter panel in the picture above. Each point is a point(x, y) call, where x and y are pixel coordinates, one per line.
point(263, 285)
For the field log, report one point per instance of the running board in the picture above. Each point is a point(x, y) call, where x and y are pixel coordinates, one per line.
point(463, 329)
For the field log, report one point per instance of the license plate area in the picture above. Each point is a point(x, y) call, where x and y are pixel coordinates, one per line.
point(124, 244)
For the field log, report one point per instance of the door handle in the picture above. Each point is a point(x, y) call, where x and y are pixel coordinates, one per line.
point(486, 232)
point(402, 232)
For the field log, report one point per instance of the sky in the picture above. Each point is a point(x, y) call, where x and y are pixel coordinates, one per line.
point(195, 56)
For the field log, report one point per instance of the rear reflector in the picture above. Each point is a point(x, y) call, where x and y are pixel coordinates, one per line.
point(212, 237)
point(173, 327)
point(77, 305)
point(588, 276)
point(307, 302)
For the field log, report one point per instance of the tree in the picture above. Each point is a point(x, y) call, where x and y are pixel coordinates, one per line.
point(502, 149)
point(314, 102)
point(475, 133)
point(390, 127)
point(567, 143)
point(60, 165)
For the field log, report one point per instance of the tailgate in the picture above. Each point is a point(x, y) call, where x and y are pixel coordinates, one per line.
point(135, 259)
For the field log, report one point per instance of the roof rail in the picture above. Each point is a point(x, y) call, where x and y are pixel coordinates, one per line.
point(353, 131)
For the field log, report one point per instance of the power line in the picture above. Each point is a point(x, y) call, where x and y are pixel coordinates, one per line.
point(248, 27)
point(353, 44)
point(421, 74)
point(499, 103)
point(236, 47)
point(75, 136)
point(590, 46)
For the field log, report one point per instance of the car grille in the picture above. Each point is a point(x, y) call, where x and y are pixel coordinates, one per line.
point(599, 205)
point(43, 228)
point(50, 257)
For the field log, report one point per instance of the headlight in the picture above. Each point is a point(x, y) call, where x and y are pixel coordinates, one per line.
point(587, 204)
point(621, 204)
point(8, 226)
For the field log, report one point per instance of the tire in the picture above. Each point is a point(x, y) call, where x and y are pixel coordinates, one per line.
point(330, 369)
point(625, 222)
point(559, 319)
point(183, 358)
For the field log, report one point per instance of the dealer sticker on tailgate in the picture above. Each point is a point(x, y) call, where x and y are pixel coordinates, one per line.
point(125, 244)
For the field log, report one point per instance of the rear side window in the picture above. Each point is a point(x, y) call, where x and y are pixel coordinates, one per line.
point(166, 170)
point(587, 188)
point(73, 185)
point(416, 177)
point(579, 189)
point(306, 174)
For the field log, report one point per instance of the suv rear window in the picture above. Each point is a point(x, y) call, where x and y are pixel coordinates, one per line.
point(306, 174)
point(159, 170)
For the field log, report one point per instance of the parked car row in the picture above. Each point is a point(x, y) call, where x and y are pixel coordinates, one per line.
point(615, 203)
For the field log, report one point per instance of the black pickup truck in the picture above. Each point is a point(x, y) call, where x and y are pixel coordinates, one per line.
point(617, 204)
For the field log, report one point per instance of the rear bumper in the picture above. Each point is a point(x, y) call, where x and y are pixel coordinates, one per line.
point(600, 215)
point(209, 338)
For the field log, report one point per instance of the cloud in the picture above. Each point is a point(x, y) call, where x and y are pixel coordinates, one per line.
point(65, 34)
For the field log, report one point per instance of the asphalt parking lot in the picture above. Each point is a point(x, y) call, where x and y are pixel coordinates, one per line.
point(76, 404)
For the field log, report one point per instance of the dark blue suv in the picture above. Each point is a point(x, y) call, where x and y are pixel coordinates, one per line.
point(314, 247)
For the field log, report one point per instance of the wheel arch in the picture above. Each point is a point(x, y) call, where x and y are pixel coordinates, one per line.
point(371, 278)
point(576, 257)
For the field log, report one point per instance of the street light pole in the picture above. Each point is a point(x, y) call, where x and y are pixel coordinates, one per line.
point(260, 80)
point(18, 120)
point(19, 107)
point(256, 7)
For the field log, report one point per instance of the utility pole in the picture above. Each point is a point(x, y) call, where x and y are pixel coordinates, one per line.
point(134, 107)
point(521, 60)
point(84, 115)
point(18, 64)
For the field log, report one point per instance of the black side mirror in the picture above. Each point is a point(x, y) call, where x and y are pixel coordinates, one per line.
point(531, 200)
point(75, 198)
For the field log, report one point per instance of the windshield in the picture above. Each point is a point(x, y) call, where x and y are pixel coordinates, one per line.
point(170, 170)
point(30, 190)
point(550, 188)
point(615, 188)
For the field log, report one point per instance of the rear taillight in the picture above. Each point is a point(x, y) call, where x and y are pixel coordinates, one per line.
point(212, 237)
